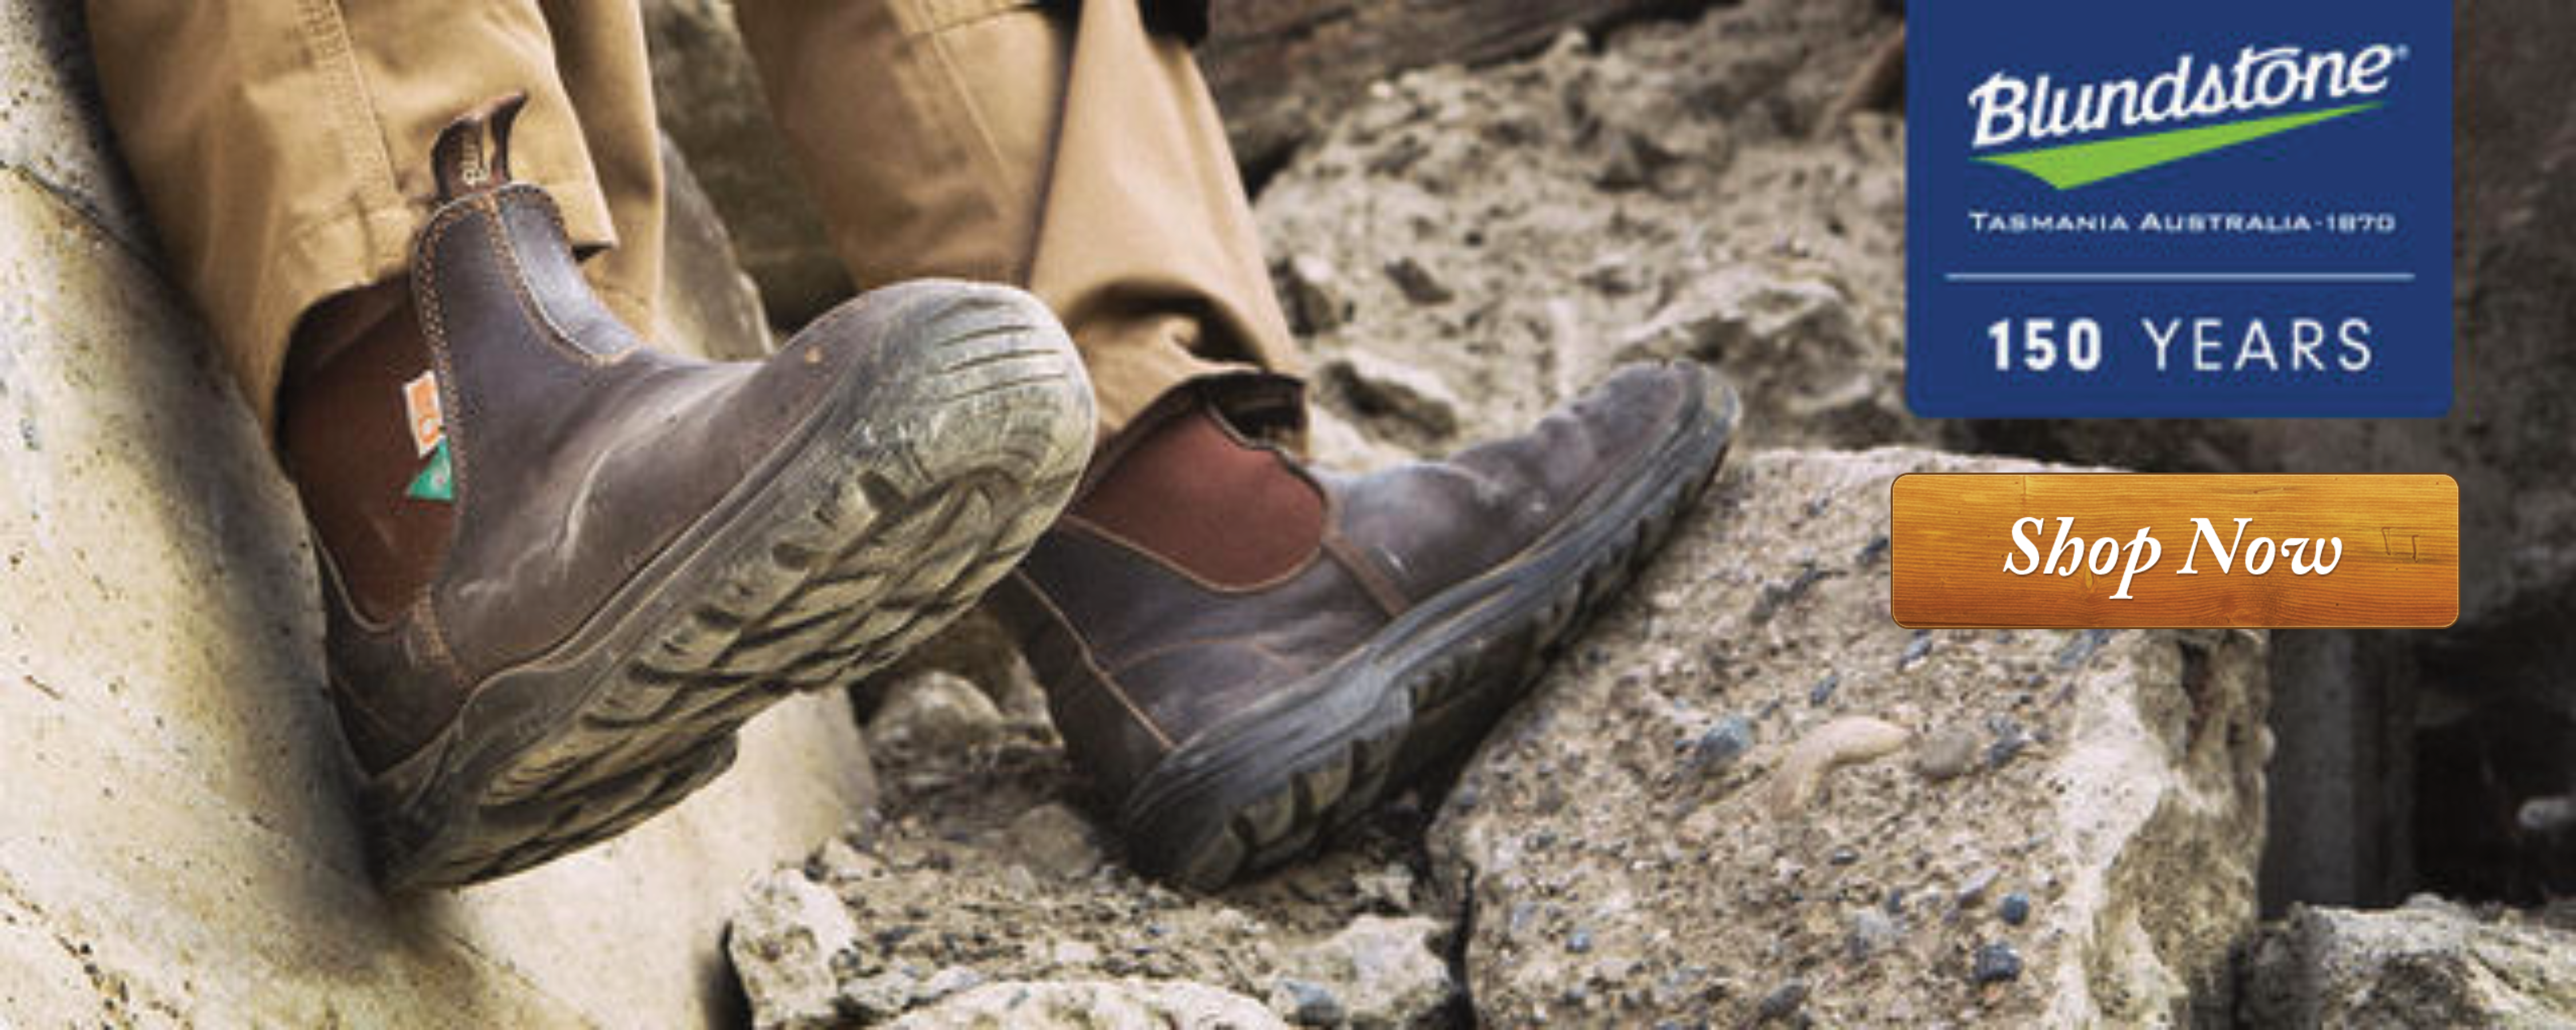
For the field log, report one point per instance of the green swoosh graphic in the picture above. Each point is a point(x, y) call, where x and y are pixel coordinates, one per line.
point(2082, 164)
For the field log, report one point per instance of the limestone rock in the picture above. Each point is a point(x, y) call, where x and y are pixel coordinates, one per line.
point(49, 125)
point(1311, 291)
point(709, 97)
point(1793, 344)
point(1612, 879)
point(990, 876)
point(1732, 237)
point(934, 713)
point(1129, 1004)
point(783, 947)
point(976, 648)
point(1054, 839)
point(1332, 442)
point(1383, 974)
point(2429, 963)
point(1409, 402)
point(1280, 68)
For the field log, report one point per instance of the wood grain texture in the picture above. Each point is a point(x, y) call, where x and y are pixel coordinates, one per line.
point(1952, 535)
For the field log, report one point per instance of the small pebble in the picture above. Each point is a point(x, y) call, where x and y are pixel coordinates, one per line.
point(1974, 890)
point(1725, 742)
point(1312, 1004)
point(1996, 963)
point(1783, 1001)
point(1579, 942)
point(2015, 908)
point(1778, 596)
point(1417, 283)
point(951, 980)
point(1946, 754)
point(1843, 856)
point(1872, 932)
point(1843, 741)
point(1312, 292)
point(2010, 739)
point(1823, 691)
point(1915, 650)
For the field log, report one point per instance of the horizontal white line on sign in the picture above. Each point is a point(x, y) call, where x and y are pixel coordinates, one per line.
point(2180, 277)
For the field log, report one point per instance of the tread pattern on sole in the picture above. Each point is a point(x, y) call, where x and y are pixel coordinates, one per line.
point(868, 563)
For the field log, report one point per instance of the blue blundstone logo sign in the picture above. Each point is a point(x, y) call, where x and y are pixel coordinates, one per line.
point(2187, 208)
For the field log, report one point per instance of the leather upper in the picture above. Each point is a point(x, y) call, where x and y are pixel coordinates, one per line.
point(578, 454)
point(1137, 655)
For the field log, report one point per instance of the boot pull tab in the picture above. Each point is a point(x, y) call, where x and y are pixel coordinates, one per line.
point(473, 152)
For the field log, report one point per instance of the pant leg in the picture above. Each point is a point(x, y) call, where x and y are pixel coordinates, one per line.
point(282, 146)
point(1068, 152)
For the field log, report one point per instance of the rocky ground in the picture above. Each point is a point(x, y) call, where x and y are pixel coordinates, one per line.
point(1803, 813)
point(982, 869)
point(1747, 797)
point(1465, 248)
point(2428, 963)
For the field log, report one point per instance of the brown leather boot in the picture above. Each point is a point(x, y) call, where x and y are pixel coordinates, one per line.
point(1234, 689)
point(645, 551)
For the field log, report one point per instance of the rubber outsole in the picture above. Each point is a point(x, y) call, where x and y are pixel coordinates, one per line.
point(1268, 784)
point(899, 504)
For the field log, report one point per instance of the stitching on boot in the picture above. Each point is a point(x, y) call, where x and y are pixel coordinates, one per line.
point(451, 395)
point(505, 249)
point(1090, 663)
point(451, 388)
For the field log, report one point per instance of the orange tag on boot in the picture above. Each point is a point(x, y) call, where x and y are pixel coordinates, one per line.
point(421, 409)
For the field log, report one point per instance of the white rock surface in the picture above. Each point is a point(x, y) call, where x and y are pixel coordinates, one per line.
point(1707, 810)
point(1093, 1005)
point(783, 946)
point(1382, 973)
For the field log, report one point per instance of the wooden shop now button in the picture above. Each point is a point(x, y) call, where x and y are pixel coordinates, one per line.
point(2124, 550)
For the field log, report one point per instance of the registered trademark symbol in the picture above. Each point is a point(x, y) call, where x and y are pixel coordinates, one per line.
point(2404, 51)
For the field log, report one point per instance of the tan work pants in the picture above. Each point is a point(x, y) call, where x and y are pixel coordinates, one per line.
point(283, 148)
